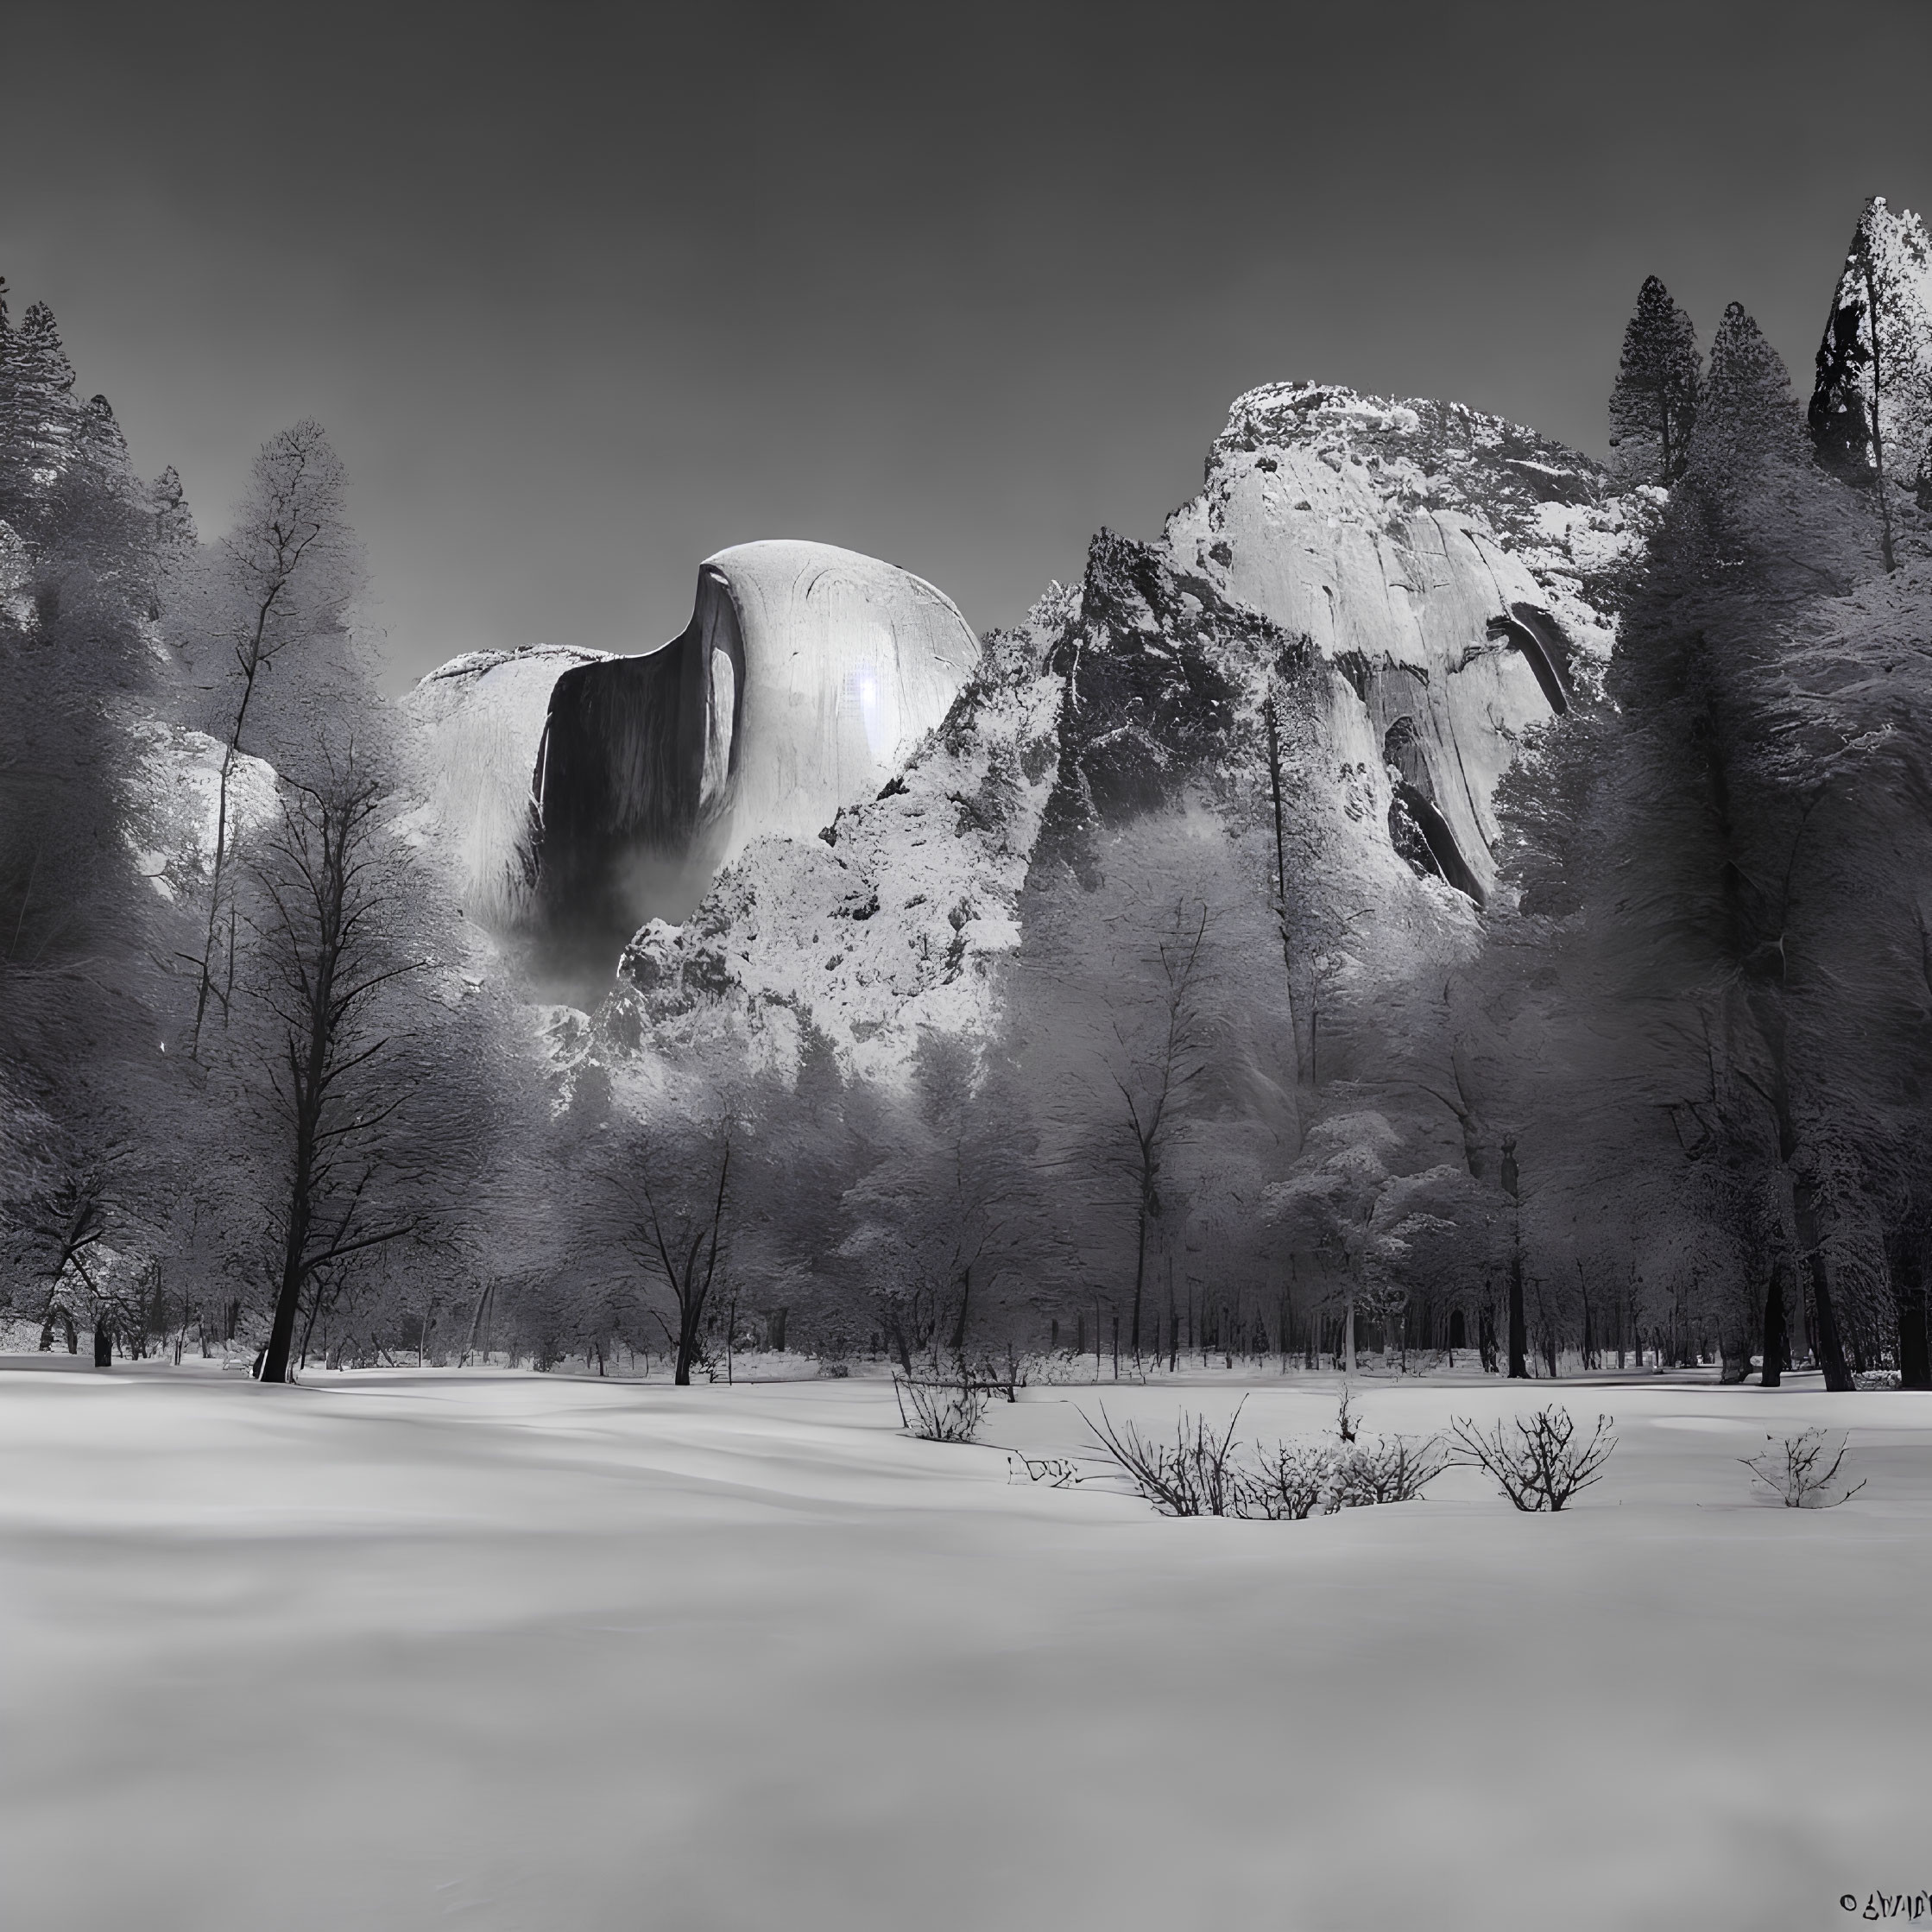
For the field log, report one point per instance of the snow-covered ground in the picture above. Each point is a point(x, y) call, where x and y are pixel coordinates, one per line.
point(400, 1649)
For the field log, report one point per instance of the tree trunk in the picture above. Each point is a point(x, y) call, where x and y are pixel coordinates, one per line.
point(1518, 1325)
point(288, 1295)
point(1831, 1349)
point(103, 1343)
point(1914, 1363)
point(690, 1313)
point(1139, 1275)
point(1771, 1375)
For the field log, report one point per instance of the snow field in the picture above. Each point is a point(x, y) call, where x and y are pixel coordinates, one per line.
point(401, 1650)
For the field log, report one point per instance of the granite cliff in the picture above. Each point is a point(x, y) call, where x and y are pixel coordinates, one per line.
point(1403, 589)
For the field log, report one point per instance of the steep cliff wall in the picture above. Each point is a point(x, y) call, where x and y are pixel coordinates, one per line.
point(590, 793)
point(1454, 570)
point(1872, 404)
point(1427, 582)
point(482, 723)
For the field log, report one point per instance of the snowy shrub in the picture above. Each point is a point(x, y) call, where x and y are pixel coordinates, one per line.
point(942, 1410)
point(1295, 1479)
point(1194, 1477)
point(1199, 1475)
point(1541, 1465)
point(1392, 1469)
point(1348, 1419)
point(1797, 1470)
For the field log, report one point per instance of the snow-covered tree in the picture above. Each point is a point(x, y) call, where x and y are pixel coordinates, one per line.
point(39, 420)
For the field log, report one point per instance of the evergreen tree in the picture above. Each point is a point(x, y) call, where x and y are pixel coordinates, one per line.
point(1708, 1057)
point(1653, 405)
point(40, 422)
point(1750, 416)
point(81, 1080)
point(99, 501)
point(1870, 414)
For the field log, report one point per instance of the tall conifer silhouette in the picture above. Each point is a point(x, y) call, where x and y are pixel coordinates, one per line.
point(1653, 405)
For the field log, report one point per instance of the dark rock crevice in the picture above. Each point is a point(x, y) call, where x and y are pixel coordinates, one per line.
point(635, 764)
point(1540, 637)
point(1418, 829)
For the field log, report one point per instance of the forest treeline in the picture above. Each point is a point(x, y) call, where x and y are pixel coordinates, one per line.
point(1668, 1100)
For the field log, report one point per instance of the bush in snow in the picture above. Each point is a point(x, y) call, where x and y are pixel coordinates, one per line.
point(1348, 1420)
point(942, 1410)
point(1198, 1475)
point(1194, 1477)
point(1541, 1465)
point(1796, 1468)
point(1295, 1479)
point(1392, 1469)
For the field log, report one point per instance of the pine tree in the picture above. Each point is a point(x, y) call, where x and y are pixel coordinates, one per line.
point(97, 501)
point(1653, 405)
point(1870, 414)
point(1714, 899)
point(79, 981)
point(1750, 416)
point(40, 422)
point(1748, 444)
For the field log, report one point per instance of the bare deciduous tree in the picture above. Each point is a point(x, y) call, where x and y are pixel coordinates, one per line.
point(326, 959)
point(680, 1235)
point(1155, 1070)
point(284, 577)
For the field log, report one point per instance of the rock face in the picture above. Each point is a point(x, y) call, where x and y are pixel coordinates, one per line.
point(1419, 583)
point(170, 791)
point(1872, 401)
point(481, 718)
point(595, 792)
point(1440, 561)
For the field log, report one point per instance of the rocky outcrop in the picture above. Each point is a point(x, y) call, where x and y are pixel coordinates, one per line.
point(481, 719)
point(1408, 586)
point(1871, 403)
point(1458, 573)
point(171, 795)
point(595, 792)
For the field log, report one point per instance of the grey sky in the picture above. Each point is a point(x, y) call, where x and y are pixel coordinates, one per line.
point(584, 293)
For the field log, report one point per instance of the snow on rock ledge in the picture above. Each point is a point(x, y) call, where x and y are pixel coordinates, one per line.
point(173, 792)
point(1458, 571)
